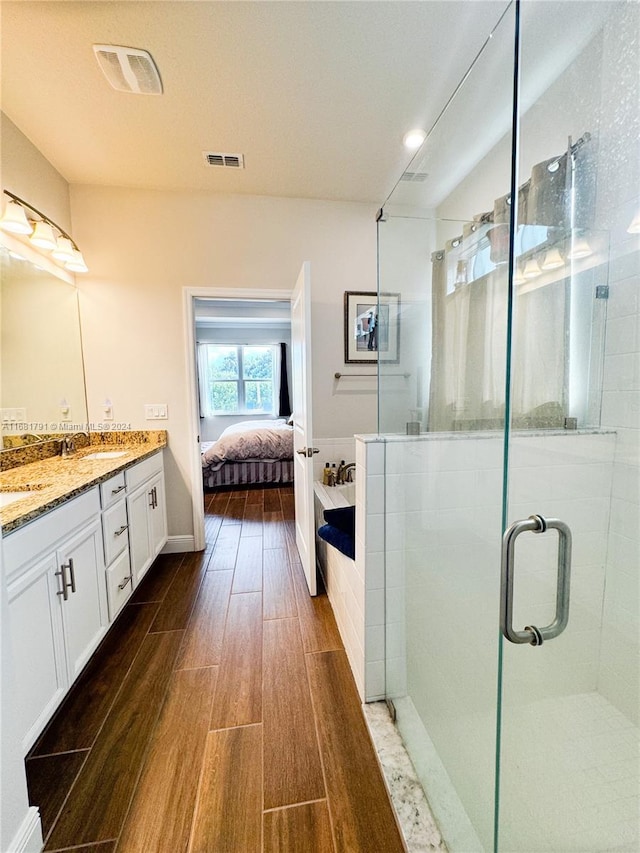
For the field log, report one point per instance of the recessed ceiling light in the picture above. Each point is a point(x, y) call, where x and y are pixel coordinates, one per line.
point(414, 138)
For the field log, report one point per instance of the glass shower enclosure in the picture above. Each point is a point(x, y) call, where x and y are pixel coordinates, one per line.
point(509, 407)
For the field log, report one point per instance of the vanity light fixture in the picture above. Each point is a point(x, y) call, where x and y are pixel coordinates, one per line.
point(414, 139)
point(579, 248)
point(519, 278)
point(14, 219)
point(531, 269)
point(22, 218)
point(552, 260)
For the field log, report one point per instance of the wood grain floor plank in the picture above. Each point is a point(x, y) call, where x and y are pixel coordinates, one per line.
point(49, 780)
point(255, 496)
point(99, 800)
point(218, 503)
point(238, 696)
point(247, 576)
point(173, 614)
point(288, 506)
point(162, 810)
point(234, 511)
point(292, 769)
point(202, 645)
point(299, 828)
point(212, 525)
point(226, 549)
point(85, 708)
point(273, 533)
point(279, 600)
point(272, 500)
point(362, 816)
point(317, 622)
point(252, 520)
point(102, 847)
point(229, 812)
point(158, 579)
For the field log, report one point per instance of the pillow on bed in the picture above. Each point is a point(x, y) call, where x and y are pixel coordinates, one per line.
point(343, 517)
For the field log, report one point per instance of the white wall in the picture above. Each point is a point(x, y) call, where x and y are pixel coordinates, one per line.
point(143, 247)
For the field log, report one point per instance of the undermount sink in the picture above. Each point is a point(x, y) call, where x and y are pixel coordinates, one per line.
point(105, 454)
point(9, 494)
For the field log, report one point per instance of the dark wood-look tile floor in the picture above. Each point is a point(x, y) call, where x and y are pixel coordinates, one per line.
point(219, 714)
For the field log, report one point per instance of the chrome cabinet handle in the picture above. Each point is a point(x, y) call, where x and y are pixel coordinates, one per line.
point(118, 490)
point(60, 574)
point(121, 530)
point(72, 575)
point(532, 635)
point(125, 581)
point(151, 501)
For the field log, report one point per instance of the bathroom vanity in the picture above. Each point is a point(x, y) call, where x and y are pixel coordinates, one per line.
point(75, 546)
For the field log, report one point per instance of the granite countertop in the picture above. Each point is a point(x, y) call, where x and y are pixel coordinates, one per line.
point(50, 482)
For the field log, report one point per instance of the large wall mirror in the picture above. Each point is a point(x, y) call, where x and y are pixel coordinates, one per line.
point(42, 387)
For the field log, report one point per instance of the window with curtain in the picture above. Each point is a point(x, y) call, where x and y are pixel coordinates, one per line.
point(237, 379)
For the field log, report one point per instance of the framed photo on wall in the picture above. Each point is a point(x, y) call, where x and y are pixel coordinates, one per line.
point(371, 329)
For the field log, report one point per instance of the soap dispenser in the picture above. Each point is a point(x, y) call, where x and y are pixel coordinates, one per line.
point(325, 474)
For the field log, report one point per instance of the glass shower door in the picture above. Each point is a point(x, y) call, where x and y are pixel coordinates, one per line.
point(568, 737)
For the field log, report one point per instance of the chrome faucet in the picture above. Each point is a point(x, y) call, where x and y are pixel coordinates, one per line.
point(345, 473)
point(68, 444)
point(33, 435)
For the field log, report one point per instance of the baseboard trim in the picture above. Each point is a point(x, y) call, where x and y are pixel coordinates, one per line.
point(179, 544)
point(28, 838)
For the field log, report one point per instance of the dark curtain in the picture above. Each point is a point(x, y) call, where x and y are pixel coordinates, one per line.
point(284, 408)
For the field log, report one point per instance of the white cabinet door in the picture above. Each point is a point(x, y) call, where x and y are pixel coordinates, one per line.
point(37, 648)
point(138, 508)
point(84, 611)
point(157, 515)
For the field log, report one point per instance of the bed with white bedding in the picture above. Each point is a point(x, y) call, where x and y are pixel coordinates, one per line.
point(249, 453)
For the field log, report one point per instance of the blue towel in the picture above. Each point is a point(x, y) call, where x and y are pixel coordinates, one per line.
point(343, 517)
point(344, 542)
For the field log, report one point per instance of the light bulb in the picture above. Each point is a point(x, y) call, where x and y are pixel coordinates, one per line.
point(43, 236)
point(63, 250)
point(414, 138)
point(580, 248)
point(77, 264)
point(14, 219)
point(552, 260)
point(531, 269)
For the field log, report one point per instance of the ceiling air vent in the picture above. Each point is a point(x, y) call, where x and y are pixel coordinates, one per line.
point(415, 177)
point(229, 161)
point(128, 69)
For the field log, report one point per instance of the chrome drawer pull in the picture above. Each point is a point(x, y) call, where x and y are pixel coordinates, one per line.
point(125, 581)
point(121, 530)
point(119, 489)
point(63, 591)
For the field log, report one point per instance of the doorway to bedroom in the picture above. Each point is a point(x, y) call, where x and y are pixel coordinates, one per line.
point(242, 366)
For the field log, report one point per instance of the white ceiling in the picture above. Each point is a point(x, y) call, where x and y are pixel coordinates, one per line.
point(316, 94)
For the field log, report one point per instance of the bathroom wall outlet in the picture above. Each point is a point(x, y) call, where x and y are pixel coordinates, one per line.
point(156, 411)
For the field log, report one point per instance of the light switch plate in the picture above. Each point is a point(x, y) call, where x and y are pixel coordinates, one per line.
point(9, 417)
point(156, 411)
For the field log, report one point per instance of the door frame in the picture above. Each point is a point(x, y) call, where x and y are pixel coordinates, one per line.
point(193, 413)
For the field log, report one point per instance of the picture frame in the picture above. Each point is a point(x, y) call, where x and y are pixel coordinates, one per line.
point(371, 327)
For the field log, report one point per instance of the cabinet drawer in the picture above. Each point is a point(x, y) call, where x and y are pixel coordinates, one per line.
point(119, 586)
point(143, 470)
point(115, 529)
point(111, 490)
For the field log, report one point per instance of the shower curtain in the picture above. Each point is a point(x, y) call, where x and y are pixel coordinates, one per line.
point(470, 302)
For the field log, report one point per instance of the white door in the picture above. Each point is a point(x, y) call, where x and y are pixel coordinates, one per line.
point(302, 424)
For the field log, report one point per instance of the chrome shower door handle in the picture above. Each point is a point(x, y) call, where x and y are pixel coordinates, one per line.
point(532, 635)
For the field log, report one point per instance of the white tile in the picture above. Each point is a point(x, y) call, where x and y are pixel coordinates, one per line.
point(375, 457)
point(375, 497)
point(375, 571)
point(374, 644)
point(374, 680)
point(622, 335)
point(375, 533)
point(374, 607)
